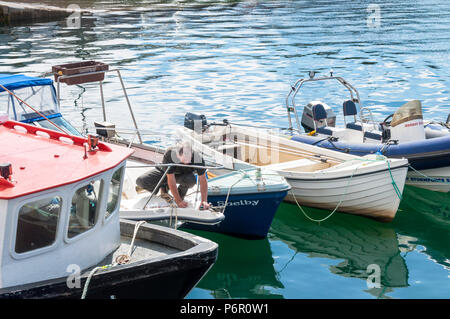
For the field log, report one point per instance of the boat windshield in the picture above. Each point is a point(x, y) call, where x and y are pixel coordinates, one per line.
point(408, 112)
point(41, 98)
point(61, 122)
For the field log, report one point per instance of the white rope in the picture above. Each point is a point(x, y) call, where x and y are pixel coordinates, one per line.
point(136, 228)
point(244, 175)
point(126, 259)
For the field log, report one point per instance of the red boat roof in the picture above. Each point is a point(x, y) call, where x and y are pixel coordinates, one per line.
point(42, 159)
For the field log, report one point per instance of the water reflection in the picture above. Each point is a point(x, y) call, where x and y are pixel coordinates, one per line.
point(425, 220)
point(358, 241)
point(244, 269)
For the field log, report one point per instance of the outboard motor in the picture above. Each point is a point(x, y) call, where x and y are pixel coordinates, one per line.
point(195, 122)
point(308, 119)
point(407, 123)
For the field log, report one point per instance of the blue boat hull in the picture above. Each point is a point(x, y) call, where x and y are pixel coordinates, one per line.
point(247, 215)
point(422, 155)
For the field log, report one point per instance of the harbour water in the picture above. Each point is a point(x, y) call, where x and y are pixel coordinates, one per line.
point(237, 60)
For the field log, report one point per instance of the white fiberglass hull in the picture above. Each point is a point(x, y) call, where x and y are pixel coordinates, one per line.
point(371, 195)
point(436, 179)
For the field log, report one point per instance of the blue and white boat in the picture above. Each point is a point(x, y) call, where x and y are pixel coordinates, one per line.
point(403, 134)
point(37, 92)
point(250, 198)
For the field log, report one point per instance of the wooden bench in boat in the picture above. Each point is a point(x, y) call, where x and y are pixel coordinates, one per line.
point(300, 165)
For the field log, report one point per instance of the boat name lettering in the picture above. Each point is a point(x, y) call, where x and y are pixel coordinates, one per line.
point(429, 180)
point(242, 202)
point(414, 124)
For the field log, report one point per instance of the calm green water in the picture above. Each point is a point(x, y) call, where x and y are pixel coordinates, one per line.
point(301, 259)
point(237, 59)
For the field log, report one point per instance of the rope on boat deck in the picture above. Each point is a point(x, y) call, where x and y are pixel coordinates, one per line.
point(122, 259)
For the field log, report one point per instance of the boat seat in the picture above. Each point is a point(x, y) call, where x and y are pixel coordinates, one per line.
point(324, 130)
point(372, 135)
point(303, 165)
point(349, 108)
point(354, 126)
point(319, 114)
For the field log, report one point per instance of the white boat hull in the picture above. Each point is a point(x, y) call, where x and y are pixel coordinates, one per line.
point(372, 195)
point(436, 179)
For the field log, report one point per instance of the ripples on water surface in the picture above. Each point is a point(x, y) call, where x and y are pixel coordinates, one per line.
point(237, 59)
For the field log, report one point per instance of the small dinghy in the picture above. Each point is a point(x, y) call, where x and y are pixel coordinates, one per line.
point(61, 232)
point(146, 206)
point(403, 134)
point(370, 186)
point(244, 203)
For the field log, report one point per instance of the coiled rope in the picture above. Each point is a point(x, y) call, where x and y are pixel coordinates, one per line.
point(120, 260)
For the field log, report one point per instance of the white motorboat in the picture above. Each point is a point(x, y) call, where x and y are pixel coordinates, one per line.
point(370, 185)
point(403, 134)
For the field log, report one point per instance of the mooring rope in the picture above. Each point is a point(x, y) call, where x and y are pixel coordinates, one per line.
point(122, 259)
point(394, 184)
point(335, 209)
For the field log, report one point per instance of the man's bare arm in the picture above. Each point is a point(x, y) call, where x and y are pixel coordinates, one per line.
point(171, 181)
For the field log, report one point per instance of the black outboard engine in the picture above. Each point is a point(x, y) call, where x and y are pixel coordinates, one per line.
point(195, 122)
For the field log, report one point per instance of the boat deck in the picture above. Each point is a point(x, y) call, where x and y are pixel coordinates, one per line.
point(143, 250)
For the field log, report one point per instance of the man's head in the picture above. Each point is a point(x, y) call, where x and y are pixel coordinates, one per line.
point(184, 152)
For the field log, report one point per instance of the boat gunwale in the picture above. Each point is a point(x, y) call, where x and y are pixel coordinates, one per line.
point(200, 248)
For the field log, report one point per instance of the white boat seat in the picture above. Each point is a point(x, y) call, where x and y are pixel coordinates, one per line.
point(303, 164)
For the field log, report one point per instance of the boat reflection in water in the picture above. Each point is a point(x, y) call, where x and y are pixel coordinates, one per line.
point(425, 219)
point(244, 269)
point(358, 242)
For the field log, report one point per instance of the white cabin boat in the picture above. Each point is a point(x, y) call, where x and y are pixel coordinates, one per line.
point(59, 212)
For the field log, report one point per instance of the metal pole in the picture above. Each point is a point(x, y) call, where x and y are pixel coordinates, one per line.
point(58, 92)
point(157, 187)
point(129, 106)
point(103, 101)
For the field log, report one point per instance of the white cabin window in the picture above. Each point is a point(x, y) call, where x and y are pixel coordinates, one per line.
point(84, 209)
point(114, 189)
point(37, 224)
